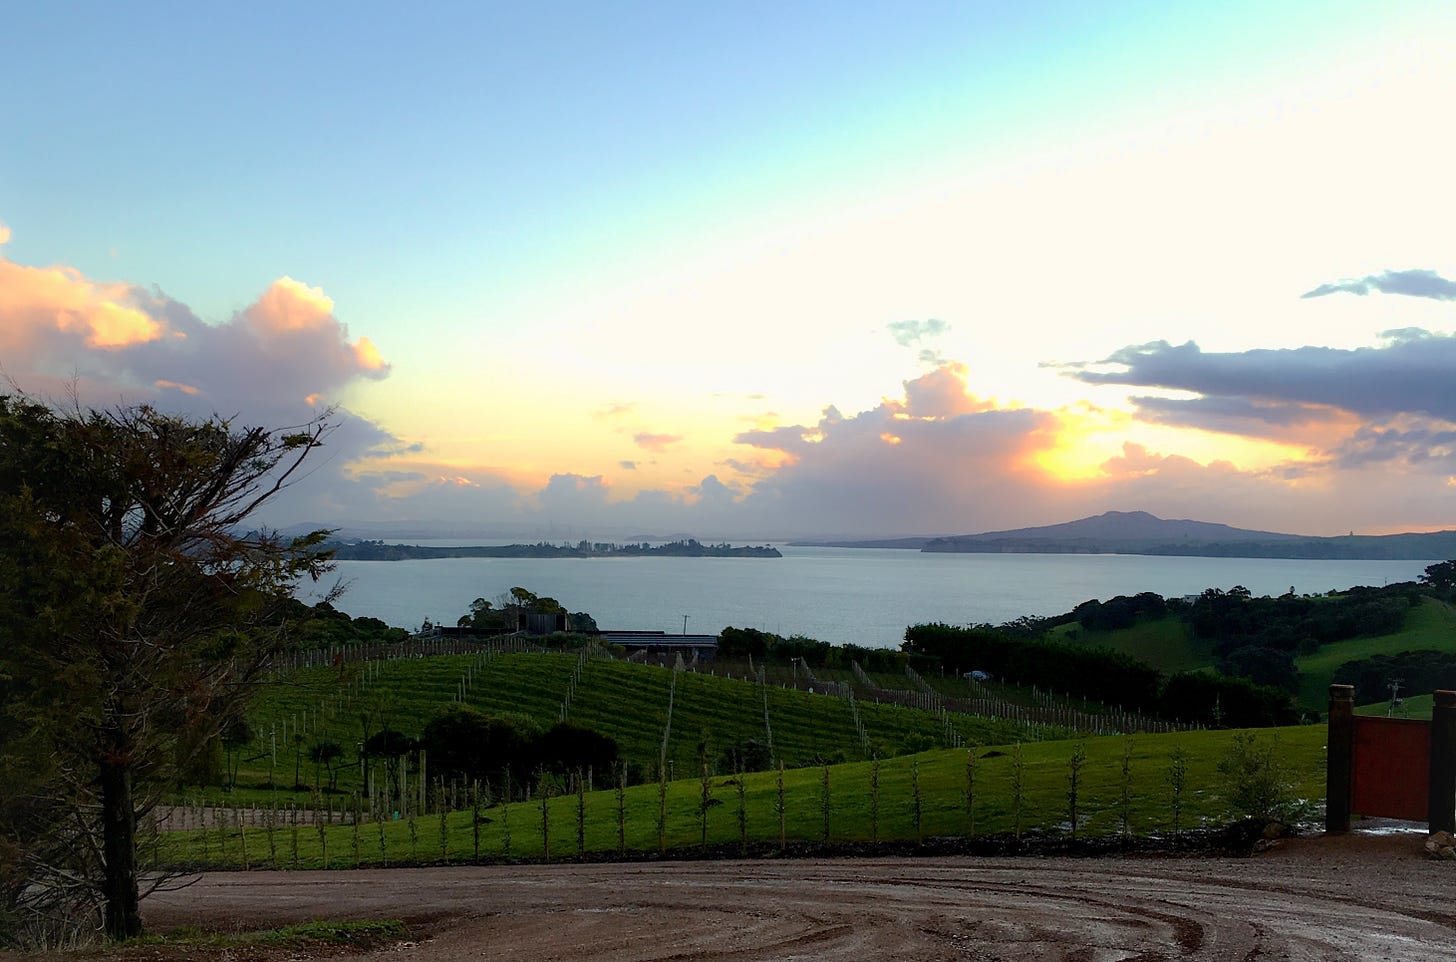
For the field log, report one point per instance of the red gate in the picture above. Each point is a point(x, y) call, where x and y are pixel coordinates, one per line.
point(1391, 767)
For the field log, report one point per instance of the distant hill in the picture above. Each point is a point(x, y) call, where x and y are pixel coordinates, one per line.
point(1137, 532)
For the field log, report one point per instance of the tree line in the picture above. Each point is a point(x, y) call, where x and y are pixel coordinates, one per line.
point(1105, 675)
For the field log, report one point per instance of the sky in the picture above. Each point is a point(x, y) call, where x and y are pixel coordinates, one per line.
point(756, 270)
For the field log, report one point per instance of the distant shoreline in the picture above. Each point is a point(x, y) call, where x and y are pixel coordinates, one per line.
point(1434, 547)
point(383, 551)
point(1140, 533)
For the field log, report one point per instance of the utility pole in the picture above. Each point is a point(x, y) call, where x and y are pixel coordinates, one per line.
point(685, 624)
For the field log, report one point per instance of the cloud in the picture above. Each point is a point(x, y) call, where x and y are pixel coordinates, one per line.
point(940, 393)
point(1410, 374)
point(1281, 421)
point(790, 439)
point(655, 442)
point(48, 314)
point(1414, 446)
point(1412, 283)
point(712, 490)
point(627, 465)
point(615, 410)
point(935, 460)
point(909, 333)
point(275, 363)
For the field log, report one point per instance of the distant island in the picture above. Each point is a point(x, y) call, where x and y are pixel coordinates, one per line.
point(1140, 533)
point(687, 548)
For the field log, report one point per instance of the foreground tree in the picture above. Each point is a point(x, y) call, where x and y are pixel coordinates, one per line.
point(138, 612)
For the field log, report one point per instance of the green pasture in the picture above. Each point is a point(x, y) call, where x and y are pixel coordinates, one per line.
point(1168, 644)
point(645, 819)
point(1417, 706)
point(1430, 625)
point(1165, 643)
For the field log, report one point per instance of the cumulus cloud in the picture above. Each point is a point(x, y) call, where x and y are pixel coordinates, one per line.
point(935, 460)
point(277, 362)
point(655, 442)
point(940, 393)
point(712, 490)
point(1412, 283)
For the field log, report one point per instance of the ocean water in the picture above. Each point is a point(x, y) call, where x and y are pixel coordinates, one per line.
point(863, 596)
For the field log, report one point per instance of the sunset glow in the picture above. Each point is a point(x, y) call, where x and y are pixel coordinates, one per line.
point(763, 272)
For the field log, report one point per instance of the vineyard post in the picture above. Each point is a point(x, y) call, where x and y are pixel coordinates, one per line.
point(916, 801)
point(782, 810)
point(875, 800)
point(971, 792)
point(622, 809)
point(704, 802)
point(1124, 802)
point(742, 811)
point(580, 816)
point(1018, 789)
point(824, 806)
point(544, 790)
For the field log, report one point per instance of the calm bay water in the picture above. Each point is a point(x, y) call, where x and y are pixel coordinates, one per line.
point(864, 596)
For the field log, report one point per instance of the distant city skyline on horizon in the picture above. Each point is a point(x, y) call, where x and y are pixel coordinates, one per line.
point(759, 271)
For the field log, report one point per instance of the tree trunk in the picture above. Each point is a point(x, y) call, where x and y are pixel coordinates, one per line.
point(118, 833)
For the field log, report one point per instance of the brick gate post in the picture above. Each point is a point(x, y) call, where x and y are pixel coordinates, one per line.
point(1339, 761)
point(1442, 808)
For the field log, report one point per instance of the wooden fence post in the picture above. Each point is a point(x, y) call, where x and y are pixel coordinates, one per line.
point(1442, 807)
point(1339, 762)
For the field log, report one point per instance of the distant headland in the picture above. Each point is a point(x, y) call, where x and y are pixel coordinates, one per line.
point(1140, 533)
point(687, 548)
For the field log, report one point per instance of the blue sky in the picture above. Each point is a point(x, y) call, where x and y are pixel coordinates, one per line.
point(596, 246)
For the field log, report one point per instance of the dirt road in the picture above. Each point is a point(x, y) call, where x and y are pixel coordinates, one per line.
point(1356, 898)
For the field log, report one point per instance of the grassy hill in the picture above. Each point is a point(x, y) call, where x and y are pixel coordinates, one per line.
point(1431, 624)
point(1167, 643)
point(710, 713)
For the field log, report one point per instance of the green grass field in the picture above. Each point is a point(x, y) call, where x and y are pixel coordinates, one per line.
point(1431, 624)
point(1418, 706)
point(1167, 644)
point(856, 813)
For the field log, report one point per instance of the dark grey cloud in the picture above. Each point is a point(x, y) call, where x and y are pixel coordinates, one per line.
point(1413, 283)
point(1410, 374)
point(1416, 446)
point(908, 333)
point(1230, 415)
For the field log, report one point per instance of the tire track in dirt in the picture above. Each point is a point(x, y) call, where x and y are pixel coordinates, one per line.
point(1317, 899)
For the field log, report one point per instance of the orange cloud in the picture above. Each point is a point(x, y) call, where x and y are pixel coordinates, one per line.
point(40, 303)
point(655, 442)
point(290, 305)
point(368, 355)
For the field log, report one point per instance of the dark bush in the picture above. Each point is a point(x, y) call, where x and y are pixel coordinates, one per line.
point(471, 744)
point(565, 748)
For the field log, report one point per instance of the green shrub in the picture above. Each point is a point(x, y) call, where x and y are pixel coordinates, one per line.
point(1258, 783)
